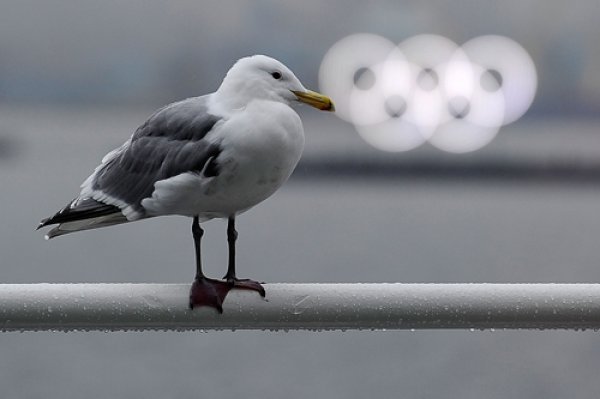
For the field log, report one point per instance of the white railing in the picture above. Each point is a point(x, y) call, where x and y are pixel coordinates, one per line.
point(106, 307)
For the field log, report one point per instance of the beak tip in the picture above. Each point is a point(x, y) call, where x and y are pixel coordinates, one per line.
point(315, 99)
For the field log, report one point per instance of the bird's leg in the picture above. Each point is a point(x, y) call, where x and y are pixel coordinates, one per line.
point(231, 278)
point(232, 236)
point(205, 291)
point(197, 233)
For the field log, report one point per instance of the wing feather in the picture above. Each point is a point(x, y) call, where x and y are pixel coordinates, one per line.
point(171, 142)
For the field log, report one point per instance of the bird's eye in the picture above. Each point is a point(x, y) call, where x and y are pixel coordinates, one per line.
point(276, 75)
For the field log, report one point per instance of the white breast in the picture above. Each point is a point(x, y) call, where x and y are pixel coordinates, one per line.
point(261, 146)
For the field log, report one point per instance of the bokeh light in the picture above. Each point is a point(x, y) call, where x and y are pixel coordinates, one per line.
point(428, 88)
point(338, 71)
point(512, 68)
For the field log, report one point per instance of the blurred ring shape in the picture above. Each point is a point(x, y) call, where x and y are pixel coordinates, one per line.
point(428, 88)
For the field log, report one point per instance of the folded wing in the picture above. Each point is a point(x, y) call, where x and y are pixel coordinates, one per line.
point(171, 142)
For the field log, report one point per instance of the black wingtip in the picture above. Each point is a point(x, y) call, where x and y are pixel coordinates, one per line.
point(79, 209)
point(43, 223)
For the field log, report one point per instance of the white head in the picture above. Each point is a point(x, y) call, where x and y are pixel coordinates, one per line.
point(264, 78)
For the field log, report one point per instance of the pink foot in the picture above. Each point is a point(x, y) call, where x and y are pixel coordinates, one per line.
point(209, 292)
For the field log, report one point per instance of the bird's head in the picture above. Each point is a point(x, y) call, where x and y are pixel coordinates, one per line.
point(262, 77)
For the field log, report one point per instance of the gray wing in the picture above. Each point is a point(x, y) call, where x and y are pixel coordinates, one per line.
point(169, 143)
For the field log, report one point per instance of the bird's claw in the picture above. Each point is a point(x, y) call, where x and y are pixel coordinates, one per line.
point(247, 284)
point(210, 292)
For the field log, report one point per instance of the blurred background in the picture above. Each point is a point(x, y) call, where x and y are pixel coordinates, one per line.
point(76, 79)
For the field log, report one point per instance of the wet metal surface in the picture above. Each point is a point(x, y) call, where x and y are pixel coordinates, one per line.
point(121, 307)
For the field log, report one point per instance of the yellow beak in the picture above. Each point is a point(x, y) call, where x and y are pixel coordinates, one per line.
point(315, 99)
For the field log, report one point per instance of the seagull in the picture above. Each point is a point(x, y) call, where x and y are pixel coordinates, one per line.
point(213, 156)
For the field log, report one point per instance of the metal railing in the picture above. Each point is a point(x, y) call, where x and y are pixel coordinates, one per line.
point(108, 307)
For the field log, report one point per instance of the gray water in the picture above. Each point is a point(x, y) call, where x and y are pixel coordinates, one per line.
point(321, 230)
